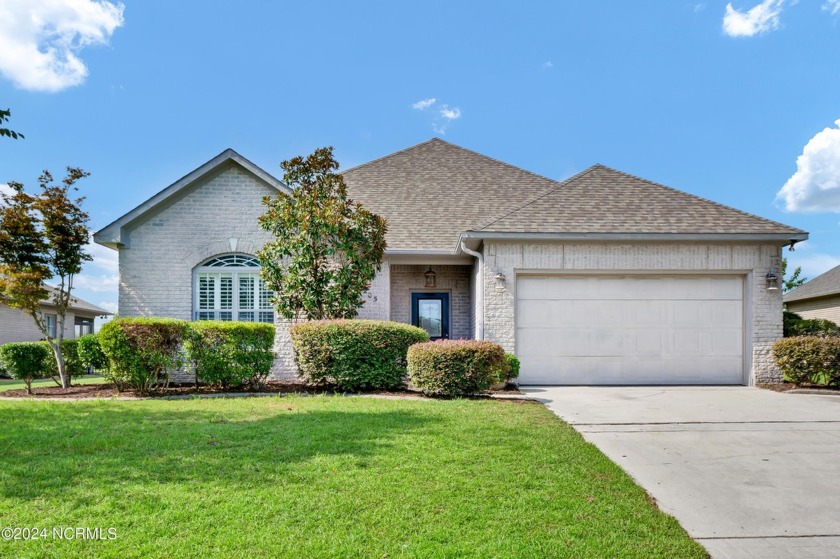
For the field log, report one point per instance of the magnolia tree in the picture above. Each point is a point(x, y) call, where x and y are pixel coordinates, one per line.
point(42, 237)
point(327, 248)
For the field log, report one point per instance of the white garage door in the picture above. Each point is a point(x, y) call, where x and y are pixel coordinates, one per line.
point(630, 330)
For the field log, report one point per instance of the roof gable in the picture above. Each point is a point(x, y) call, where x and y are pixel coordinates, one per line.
point(112, 234)
point(821, 286)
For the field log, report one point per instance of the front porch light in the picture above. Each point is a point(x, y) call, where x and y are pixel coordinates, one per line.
point(431, 278)
point(772, 281)
point(500, 280)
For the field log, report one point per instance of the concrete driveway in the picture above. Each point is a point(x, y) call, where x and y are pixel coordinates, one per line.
point(747, 472)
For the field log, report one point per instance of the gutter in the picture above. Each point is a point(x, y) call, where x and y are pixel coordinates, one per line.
point(786, 238)
point(479, 292)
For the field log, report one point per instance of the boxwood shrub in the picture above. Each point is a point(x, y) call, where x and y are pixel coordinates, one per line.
point(811, 359)
point(26, 361)
point(455, 367)
point(142, 352)
point(511, 370)
point(231, 353)
point(91, 354)
point(354, 354)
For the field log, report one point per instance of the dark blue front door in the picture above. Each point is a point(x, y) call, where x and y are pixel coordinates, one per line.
point(430, 311)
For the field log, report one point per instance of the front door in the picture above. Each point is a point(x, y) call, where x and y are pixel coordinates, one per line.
point(430, 311)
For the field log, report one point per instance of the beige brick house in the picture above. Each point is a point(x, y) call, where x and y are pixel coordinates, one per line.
point(17, 326)
point(818, 298)
point(603, 278)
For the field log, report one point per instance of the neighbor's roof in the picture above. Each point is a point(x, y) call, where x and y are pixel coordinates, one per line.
point(434, 192)
point(77, 304)
point(821, 286)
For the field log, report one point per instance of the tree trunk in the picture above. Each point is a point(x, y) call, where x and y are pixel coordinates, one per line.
point(62, 368)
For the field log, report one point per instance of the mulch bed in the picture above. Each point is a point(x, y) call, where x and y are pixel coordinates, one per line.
point(108, 391)
point(787, 386)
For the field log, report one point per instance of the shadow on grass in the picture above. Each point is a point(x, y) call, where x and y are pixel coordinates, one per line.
point(52, 450)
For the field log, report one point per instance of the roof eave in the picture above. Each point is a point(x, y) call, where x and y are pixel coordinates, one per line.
point(782, 238)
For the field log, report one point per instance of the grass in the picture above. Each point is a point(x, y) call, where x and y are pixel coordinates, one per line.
point(319, 477)
point(8, 384)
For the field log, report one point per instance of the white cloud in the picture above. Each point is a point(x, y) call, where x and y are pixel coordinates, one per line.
point(757, 20)
point(450, 114)
point(832, 6)
point(40, 39)
point(548, 64)
point(5, 189)
point(107, 305)
point(424, 104)
point(699, 7)
point(101, 275)
point(815, 186)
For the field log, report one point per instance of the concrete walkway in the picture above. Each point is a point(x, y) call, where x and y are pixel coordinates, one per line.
point(747, 472)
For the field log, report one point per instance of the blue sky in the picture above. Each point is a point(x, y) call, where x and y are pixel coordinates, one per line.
point(732, 102)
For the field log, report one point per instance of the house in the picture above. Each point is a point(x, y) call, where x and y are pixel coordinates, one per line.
point(818, 298)
point(604, 278)
point(17, 326)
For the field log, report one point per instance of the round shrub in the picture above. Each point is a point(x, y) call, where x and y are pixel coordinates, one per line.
point(354, 354)
point(142, 351)
point(231, 353)
point(455, 367)
point(91, 354)
point(811, 359)
point(72, 363)
point(25, 361)
point(512, 369)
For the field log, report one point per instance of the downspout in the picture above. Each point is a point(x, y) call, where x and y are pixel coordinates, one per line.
point(479, 292)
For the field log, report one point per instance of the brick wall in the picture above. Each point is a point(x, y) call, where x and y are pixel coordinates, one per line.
point(455, 280)
point(827, 308)
point(764, 308)
point(156, 265)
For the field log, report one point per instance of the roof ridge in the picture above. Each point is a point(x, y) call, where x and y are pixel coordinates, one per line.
point(541, 195)
point(814, 288)
point(386, 156)
point(696, 197)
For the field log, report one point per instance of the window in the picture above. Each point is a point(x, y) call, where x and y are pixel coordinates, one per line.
point(84, 326)
point(52, 325)
point(230, 288)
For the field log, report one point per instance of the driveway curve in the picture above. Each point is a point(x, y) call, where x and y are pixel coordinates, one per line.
point(747, 472)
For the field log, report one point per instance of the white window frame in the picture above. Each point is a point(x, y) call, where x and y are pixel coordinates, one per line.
point(51, 323)
point(230, 265)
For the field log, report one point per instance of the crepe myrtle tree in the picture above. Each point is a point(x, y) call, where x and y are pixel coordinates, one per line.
point(5, 116)
point(326, 249)
point(795, 280)
point(43, 237)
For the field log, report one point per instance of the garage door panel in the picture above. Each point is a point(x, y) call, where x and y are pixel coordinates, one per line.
point(630, 330)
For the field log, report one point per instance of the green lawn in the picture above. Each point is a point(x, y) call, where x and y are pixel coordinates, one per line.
point(319, 477)
point(8, 384)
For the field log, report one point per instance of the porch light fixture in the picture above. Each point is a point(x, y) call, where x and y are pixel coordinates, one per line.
point(431, 278)
point(500, 280)
point(772, 281)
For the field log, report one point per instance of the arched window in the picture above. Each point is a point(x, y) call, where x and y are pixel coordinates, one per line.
point(229, 287)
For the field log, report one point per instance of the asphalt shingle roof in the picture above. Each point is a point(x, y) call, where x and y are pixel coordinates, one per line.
point(821, 286)
point(432, 192)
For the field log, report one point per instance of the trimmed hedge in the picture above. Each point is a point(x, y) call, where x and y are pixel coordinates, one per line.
point(512, 370)
point(354, 354)
point(809, 359)
point(455, 367)
point(91, 354)
point(795, 325)
point(231, 353)
point(143, 351)
point(26, 361)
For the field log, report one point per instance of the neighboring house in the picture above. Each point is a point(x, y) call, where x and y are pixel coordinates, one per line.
point(17, 326)
point(818, 298)
point(603, 278)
